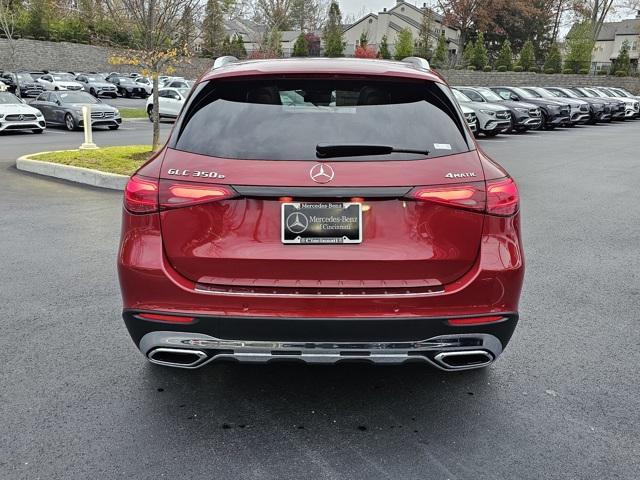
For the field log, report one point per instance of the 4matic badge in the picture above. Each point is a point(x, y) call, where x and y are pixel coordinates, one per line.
point(460, 175)
point(194, 173)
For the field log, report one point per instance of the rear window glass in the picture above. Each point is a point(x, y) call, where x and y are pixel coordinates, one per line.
point(286, 119)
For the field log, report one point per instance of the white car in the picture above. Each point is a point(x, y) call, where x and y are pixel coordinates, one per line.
point(3, 87)
point(145, 83)
point(170, 101)
point(59, 81)
point(17, 115)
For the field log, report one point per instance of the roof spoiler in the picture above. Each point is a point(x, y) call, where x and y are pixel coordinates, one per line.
point(417, 62)
point(222, 61)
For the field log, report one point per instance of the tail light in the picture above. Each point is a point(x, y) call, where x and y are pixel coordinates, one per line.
point(470, 196)
point(502, 197)
point(147, 195)
point(498, 197)
point(176, 195)
point(141, 195)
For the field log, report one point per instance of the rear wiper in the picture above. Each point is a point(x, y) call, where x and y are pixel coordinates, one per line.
point(324, 150)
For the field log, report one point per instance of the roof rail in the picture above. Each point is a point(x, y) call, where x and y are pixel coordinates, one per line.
point(418, 62)
point(222, 61)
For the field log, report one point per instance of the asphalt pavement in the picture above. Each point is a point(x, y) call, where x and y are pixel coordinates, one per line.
point(78, 401)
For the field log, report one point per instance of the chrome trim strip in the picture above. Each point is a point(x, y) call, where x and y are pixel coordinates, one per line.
point(319, 295)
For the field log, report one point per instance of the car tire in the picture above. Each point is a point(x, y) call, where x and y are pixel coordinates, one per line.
point(93, 92)
point(38, 130)
point(114, 127)
point(150, 113)
point(492, 133)
point(69, 122)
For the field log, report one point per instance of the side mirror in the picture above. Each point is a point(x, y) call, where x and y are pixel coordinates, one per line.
point(59, 103)
point(514, 97)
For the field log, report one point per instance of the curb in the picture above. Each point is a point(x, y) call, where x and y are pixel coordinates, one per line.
point(85, 176)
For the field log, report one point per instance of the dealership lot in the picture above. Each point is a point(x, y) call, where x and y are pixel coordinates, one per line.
point(562, 402)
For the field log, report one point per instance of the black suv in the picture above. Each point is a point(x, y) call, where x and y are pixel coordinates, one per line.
point(28, 86)
point(554, 112)
point(127, 87)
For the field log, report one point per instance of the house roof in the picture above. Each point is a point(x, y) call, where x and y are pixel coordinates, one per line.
point(609, 30)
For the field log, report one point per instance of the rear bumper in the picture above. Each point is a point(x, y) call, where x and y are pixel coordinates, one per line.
point(149, 284)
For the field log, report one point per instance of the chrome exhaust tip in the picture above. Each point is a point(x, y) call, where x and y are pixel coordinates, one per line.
point(177, 357)
point(464, 359)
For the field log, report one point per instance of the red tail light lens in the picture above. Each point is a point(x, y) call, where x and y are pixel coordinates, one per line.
point(141, 195)
point(175, 195)
point(502, 197)
point(470, 195)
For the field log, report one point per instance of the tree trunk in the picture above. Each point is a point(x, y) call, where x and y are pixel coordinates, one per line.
point(155, 145)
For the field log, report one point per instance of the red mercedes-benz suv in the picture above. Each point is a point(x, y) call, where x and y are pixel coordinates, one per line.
point(321, 210)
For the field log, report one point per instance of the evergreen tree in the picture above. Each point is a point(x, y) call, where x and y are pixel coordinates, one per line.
point(237, 47)
point(334, 44)
point(553, 62)
point(623, 63)
point(404, 44)
point(480, 56)
point(440, 58)
point(527, 56)
point(37, 18)
point(384, 48)
point(364, 39)
point(274, 43)
point(187, 28)
point(505, 57)
point(213, 33)
point(424, 35)
point(301, 47)
point(467, 54)
point(579, 46)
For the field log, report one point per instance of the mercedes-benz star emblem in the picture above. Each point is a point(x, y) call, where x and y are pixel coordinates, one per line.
point(21, 118)
point(297, 222)
point(321, 173)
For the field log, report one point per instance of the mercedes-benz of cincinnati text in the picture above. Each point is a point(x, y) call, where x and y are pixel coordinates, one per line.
point(324, 211)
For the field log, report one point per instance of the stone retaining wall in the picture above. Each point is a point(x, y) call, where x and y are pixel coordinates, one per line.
point(487, 79)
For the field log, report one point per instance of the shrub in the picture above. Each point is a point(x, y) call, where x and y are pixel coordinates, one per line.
point(602, 72)
point(534, 70)
point(583, 71)
point(502, 68)
point(549, 70)
point(567, 71)
point(518, 68)
point(620, 73)
point(471, 67)
point(487, 68)
point(527, 56)
point(505, 57)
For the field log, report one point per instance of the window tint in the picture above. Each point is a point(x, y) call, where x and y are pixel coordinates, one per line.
point(287, 119)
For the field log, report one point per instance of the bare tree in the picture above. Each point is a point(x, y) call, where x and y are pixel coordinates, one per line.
point(595, 12)
point(155, 25)
point(8, 18)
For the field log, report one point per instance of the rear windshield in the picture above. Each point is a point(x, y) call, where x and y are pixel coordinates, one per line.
point(285, 119)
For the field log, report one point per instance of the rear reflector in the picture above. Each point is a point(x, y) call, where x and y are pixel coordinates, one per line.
point(141, 195)
point(175, 195)
point(469, 195)
point(165, 318)
point(502, 197)
point(458, 322)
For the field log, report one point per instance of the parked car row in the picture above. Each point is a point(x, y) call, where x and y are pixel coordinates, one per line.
point(56, 108)
point(502, 109)
point(111, 84)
